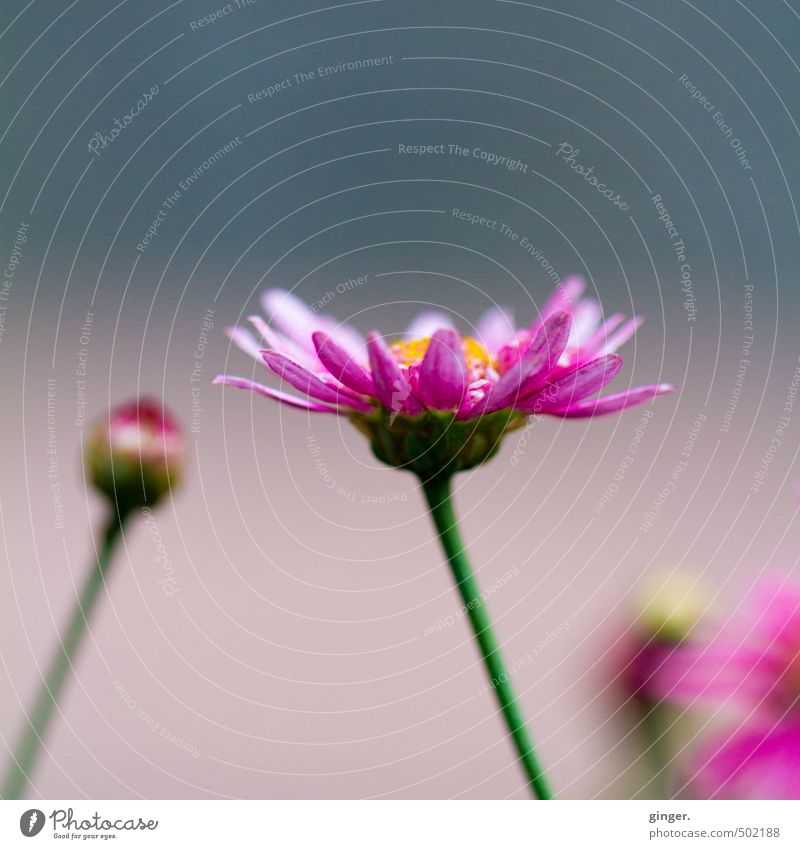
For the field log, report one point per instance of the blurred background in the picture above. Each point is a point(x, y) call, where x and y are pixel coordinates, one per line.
point(163, 164)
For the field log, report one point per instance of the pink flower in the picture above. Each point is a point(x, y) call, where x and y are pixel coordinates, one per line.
point(755, 668)
point(754, 762)
point(551, 367)
point(435, 379)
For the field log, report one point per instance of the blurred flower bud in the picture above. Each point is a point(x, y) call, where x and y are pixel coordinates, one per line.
point(670, 607)
point(136, 455)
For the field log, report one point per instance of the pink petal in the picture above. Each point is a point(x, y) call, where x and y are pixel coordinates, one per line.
point(347, 337)
point(443, 372)
point(614, 403)
point(298, 321)
point(776, 604)
point(585, 318)
point(545, 350)
point(564, 297)
point(267, 333)
point(532, 370)
point(758, 762)
point(583, 381)
point(291, 316)
point(283, 397)
point(716, 673)
point(391, 387)
point(306, 381)
point(495, 328)
point(592, 347)
point(622, 335)
point(244, 341)
point(341, 364)
point(426, 324)
point(280, 343)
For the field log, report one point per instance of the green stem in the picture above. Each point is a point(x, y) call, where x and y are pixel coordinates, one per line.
point(39, 719)
point(654, 729)
point(438, 494)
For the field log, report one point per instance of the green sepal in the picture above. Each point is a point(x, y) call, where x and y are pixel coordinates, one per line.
point(435, 443)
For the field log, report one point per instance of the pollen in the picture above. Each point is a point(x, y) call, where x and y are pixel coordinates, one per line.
point(410, 353)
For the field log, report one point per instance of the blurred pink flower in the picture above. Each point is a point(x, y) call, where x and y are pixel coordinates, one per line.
point(756, 669)
point(644, 658)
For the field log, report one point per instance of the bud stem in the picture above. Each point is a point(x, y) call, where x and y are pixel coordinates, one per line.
point(439, 496)
point(33, 735)
point(654, 727)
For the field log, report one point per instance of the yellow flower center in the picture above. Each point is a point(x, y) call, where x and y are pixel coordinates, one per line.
point(478, 359)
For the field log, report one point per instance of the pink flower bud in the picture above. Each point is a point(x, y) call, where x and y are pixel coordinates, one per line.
point(137, 454)
point(669, 608)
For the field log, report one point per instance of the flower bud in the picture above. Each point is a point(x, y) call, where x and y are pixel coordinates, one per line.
point(136, 455)
point(668, 610)
point(670, 607)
